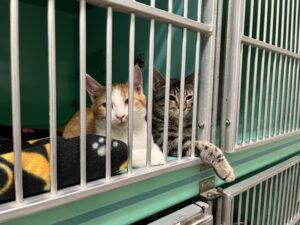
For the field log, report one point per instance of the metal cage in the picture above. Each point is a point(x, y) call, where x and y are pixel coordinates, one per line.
point(204, 27)
point(261, 80)
point(269, 197)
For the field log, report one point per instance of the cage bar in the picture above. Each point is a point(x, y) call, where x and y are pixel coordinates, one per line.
point(109, 24)
point(150, 89)
point(182, 84)
point(274, 73)
point(206, 71)
point(255, 75)
point(131, 90)
point(52, 94)
point(269, 65)
point(293, 95)
point(167, 85)
point(240, 209)
point(82, 39)
point(248, 75)
point(144, 11)
point(196, 81)
point(15, 93)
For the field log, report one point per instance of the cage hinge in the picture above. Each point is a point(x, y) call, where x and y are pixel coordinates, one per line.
point(213, 197)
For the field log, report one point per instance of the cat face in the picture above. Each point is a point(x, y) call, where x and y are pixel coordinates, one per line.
point(119, 98)
point(174, 98)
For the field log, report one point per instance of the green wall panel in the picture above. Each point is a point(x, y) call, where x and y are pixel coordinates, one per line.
point(34, 65)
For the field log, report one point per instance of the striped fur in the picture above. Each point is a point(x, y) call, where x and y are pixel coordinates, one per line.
point(203, 149)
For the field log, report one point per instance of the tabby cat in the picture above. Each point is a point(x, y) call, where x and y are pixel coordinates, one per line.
point(96, 118)
point(205, 150)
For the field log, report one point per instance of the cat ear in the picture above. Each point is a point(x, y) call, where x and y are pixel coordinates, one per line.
point(158, 80)
point(93, 88)
point(190, 78)
point(138, 79)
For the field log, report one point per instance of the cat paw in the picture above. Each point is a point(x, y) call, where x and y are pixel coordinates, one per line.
point(214, 156)
point(157, 158)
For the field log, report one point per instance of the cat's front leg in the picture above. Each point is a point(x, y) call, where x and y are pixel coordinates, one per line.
point(139, 157)
point(210, 153)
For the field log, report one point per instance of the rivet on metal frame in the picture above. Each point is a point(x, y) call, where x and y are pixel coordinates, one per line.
point(227, 122)
point(201, 125)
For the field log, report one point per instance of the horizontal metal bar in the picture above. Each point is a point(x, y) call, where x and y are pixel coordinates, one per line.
point(146, 11)
point(265, 141)
point(260, 177)
point(269, 47)
point(46, 201)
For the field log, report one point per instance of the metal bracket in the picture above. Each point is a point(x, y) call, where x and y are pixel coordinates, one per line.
point(213, 197)
point(206, 184)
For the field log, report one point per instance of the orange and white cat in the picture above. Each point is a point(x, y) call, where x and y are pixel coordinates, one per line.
point(96, 118)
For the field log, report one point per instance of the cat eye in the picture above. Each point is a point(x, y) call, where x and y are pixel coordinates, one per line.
point(172, 98)
point(126, 101)
point(104, 104)
point(189, 97)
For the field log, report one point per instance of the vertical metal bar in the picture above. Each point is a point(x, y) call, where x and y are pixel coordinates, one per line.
point(242, 18)
point(266, 191)
point(82, 38)
point(207, 72)
point(297, 63)
point(255, 73)
point(167, 90)
point(292, 94)
point(232, 75)
point(131, 90)
point(196, 81)
point(217, 72)
point(253, 205)
point(259, 204)
point(288, 196)
point(232, 211)
point(292, 195)
point(298, 110)
point(280, 67)
point(109, 25)
point(246, 206)
point(295, 126)
point(268, 70)
point(292, 27)
point(15, 93)
point(285, 62)
point(287, 105)
point(248, 75)
point(274, 202)
point(240, 209)
point(296, 191)
point(52, 93)
point(182, 84)
point(296, 28)
point(283, 94)
point(279, 198)
point(284, 173)
point(227, 206)
point(287, 26)
point(150, 89)
point(274, 72)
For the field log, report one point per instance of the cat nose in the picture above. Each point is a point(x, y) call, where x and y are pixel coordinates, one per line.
point(120, 117)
